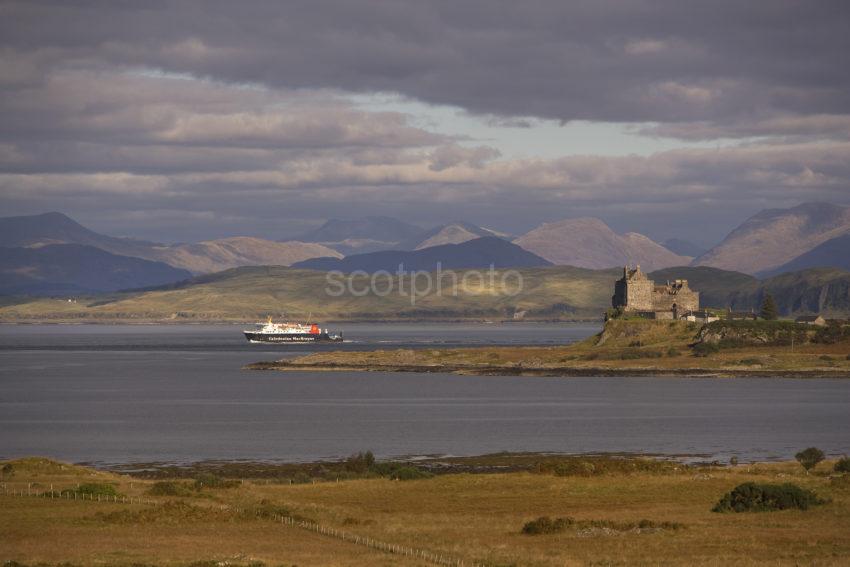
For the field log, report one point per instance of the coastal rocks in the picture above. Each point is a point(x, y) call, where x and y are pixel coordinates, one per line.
point(732, 334)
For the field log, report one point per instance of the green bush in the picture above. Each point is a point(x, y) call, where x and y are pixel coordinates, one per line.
point(843, 465)
point(832, 333)
point(810, 457)
point(641, 354)
point(546, 525)
point(673, 352)
point(575, 468)
point(826, 357)
point(360, 463)
point(409, 473)
point(170, 488)
point(399, 471)
point(95, 489)
point(208, 480)
point(705, 349)
point(593, 466)
point(753, 497)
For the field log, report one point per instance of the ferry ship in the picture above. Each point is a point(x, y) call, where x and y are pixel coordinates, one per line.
point(269, 332)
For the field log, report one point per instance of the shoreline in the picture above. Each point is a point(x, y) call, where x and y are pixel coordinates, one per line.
point(171, 322)
point(486, 463)
point(564, 371)
point(623, 348)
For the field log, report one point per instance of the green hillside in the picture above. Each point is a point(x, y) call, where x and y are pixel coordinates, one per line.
point(558, 292)
point(254, 292)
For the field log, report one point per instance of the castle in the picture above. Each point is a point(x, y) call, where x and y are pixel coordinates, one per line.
point(636, 293)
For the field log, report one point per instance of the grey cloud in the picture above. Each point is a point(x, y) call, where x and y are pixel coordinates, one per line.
point(129, 114)
point(447, 156)
point(667, 61)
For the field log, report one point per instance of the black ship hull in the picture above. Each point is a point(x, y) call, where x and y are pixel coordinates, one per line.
point(292, 337)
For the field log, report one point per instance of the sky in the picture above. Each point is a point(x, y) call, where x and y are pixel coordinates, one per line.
point(183, 121)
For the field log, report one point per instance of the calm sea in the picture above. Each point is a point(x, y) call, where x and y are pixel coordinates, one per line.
point(117, 394)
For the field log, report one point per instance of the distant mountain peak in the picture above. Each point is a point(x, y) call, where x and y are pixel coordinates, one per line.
point(773, 237)
point(455, 232)
point(588, 242)
point(477, 253)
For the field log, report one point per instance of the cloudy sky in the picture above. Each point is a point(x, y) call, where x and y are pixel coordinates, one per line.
point(191, 120)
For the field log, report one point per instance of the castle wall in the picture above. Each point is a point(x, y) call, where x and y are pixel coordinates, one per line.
point(639, 296)
point(678, 295)
point(636, 292)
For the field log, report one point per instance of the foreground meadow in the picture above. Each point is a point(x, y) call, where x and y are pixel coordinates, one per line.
point(624, 512)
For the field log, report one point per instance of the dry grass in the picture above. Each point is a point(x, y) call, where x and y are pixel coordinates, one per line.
point(476, 517)
point(253, 293)
point(662, 346)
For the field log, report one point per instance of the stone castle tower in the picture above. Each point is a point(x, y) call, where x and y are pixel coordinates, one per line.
point(635, 292)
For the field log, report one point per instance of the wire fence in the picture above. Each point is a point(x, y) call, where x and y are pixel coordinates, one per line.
point(365, 541)
point(72, 494)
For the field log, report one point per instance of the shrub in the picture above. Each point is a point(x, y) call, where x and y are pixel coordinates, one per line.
point(399, 471)
point(753, 497)
point(641, 354)
point(169, 488)
point(546, 525)
point(825, 357)
point(809, 458)
point(705, 349)
point(575, 468)
point(360, 463)
point(409, 473)
point(843, 465)
point(832, 333)
point(208, 480)
point(733, 461)
point(95, 489)
point(592, 466)
point(301, 478)
point(750, 361)
point(673, 352)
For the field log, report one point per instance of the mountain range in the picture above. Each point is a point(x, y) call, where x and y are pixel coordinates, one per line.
point(477, 253)
point(832, 253)
point(590, 243)
point(202, 257)
point(774, 237)
point(369, 234)
point(76, 269)
point(772, 242)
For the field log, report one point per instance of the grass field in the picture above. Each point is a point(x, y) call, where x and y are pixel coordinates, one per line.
point(474, 518)
point(249, 294)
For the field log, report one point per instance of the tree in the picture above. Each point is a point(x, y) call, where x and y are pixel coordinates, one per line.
point(809, 458)
point(768, 308)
